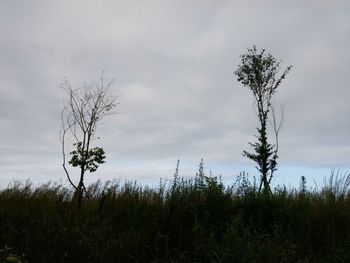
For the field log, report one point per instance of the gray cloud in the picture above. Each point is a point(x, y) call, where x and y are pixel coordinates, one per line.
point(173, 61)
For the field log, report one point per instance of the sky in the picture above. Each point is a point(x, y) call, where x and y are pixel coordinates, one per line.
point(173, 64)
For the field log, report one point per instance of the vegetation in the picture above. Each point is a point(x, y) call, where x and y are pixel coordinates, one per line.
point(185, 220)
point(259, 72)
point(83, 109)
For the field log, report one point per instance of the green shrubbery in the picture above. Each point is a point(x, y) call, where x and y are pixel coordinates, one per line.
point(188, 220)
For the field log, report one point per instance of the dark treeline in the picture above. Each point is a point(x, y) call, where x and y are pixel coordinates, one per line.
point(187, 220)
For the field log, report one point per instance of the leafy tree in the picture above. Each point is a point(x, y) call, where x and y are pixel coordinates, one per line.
point(83, 109)
point(259, 72)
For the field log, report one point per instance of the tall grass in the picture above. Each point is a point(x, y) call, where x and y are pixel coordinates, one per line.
point(186, 220)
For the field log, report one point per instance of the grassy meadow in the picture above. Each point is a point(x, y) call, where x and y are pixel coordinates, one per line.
point(185, 220)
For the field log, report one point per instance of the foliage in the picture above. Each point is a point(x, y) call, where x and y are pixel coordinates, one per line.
point(94, 157)
point(7, 256)
point(259, 72)
point(186, 222)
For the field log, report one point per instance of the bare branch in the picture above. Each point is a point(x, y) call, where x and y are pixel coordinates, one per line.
point(62, 138)
point(276, 125)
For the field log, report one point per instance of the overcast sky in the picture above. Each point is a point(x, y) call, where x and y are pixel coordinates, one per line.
point(173, 63)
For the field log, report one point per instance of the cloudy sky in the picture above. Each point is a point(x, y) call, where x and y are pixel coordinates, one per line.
point(173, 63)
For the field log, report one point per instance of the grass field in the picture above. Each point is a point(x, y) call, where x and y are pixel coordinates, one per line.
point(186, 220)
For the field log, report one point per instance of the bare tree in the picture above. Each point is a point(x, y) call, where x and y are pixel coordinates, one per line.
point(83, 109)
point(258, 71)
